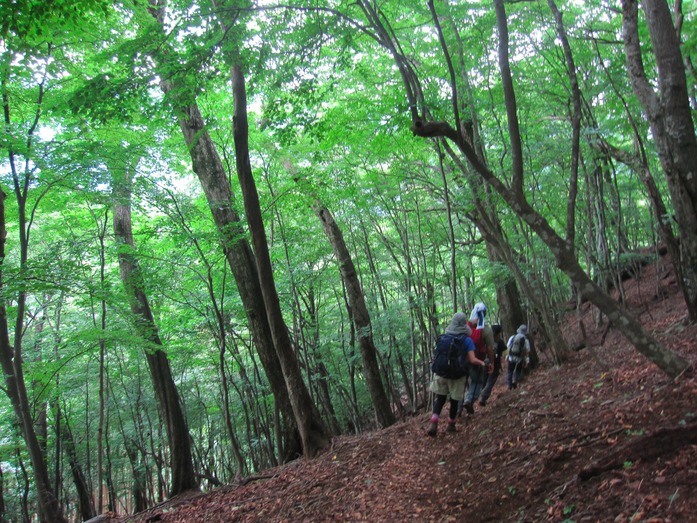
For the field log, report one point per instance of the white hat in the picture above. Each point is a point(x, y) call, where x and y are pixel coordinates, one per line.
point(478, 314)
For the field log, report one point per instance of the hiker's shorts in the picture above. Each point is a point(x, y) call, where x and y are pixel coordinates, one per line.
point(445, 387)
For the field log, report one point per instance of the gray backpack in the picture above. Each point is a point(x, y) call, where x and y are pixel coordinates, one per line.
point(517, 348)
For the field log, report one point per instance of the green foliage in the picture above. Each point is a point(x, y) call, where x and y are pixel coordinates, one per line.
point(330, 122)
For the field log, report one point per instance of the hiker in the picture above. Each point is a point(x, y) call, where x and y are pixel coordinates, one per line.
point(483, 338)
point(518, 356)
point(442, 386)
point(499, 349)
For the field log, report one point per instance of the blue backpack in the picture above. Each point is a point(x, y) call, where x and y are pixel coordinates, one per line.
point(450, 358)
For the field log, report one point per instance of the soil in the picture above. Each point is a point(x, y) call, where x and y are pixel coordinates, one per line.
point(605, 437)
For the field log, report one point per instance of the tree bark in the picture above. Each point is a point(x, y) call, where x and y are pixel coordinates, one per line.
point(668, 112)
point(361, 316)
point(15, 388)
point(183, 477)
point(208, 167)
point(312, 430)
point(575, 124)
point(84, 495)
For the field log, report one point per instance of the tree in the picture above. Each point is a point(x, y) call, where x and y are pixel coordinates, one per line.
point(669, 115)
point(183, 475)
point(11, 360)
point(360, 314)
point(209, 168)
point(312, 430)
point(424, 126)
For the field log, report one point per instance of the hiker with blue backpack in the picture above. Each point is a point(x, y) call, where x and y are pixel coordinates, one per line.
point(518, 355)
point(453, 359)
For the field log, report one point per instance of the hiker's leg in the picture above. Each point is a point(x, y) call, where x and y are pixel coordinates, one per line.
point(438, 403)
point(516, 374)
point(481, 381)
point(486, 391)
point(474, 384)
point(490, 382)
point(453, 411)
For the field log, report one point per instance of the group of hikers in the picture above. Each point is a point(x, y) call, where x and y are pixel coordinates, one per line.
point(472, 349)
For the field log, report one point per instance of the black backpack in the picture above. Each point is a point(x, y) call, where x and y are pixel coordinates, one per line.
point(517, 346)
point(450, 359)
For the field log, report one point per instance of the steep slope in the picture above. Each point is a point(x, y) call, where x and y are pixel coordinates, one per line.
point(605, 437)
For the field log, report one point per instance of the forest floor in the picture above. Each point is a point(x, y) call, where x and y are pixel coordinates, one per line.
point(606, 437)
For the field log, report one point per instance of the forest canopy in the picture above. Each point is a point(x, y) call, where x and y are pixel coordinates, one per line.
point(233, 229)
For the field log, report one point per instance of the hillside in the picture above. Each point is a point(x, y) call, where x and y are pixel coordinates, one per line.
point(603, 438)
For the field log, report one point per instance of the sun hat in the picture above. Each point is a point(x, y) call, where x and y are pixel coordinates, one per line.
point(458, 325)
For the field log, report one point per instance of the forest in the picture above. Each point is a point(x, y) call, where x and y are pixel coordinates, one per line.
point(231, 230)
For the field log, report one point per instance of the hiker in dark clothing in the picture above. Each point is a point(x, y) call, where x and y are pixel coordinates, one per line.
point(455, 388)
point(518, 356)
point(499, 349)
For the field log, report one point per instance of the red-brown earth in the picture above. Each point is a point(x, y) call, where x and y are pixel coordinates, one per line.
point(606, 437)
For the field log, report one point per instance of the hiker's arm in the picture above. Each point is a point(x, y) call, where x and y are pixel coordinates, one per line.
point(490, 349)
point(527, 353)
point(472, 359)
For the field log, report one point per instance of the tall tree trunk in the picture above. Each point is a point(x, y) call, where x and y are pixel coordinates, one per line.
point(84, 495)
point(11, 355)
point(139, 480)
point(183, 477)
point(208, 167)
point(312, 430)
point(670, 118)
point(15, 388)
point(575, 124)
point(103, 226)
point(3, 505)
point(361, 316)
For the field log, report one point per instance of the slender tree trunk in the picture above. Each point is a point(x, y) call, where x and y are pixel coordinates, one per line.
point(182, 467)
point(15, 388)
point(84, 495)
point(138, 482)
point(108, 473)
point(101, 422)
point(3, 505)
point(575, 124)
point(361, 316)
point(312, 430)
point(672, 127)
point(26, 488)
point(237, 453)
point(11, 355)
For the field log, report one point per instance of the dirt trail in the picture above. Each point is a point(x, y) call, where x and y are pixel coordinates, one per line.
point(601, 439)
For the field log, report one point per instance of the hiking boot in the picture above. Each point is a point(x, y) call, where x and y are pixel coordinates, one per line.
point(432, 429)
point(450, 427)
point(482, 402)
point(469, 408)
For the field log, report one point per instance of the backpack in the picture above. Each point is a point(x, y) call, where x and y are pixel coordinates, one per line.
point(450, 359)
point(517, 347)
point(478, 339)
